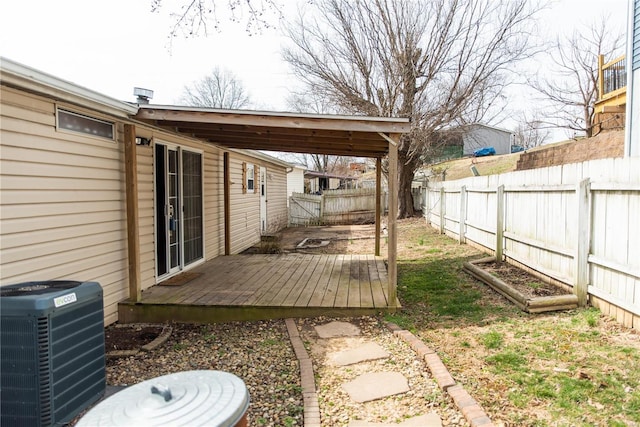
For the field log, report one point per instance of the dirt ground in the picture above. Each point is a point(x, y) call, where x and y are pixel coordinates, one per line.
point(342, 239)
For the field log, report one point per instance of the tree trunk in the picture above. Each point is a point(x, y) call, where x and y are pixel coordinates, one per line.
point(406, 171)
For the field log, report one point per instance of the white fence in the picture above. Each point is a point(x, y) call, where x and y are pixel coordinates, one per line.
point(578, 224)
point(335, 207)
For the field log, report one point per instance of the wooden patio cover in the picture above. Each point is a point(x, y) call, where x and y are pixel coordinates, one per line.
point(357, 136)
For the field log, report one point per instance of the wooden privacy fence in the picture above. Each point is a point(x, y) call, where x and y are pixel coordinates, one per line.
point(578, 224)
point(335, 207)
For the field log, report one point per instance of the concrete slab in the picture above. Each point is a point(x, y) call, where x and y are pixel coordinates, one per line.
point(362, 353)
point(376, 385)
point(337, 329)
point(429, 420)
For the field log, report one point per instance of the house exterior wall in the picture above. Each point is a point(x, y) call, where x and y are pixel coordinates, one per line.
point(213, 198)
point(63, 206)
point(62, 200)
point(277, 198)
point(245, 205)
point(245, 211)
point(477, 137)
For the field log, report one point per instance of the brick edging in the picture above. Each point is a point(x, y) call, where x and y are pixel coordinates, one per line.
point(471, 409)
point(307, 379)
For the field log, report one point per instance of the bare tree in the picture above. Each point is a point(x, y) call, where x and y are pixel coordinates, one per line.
point(220, 89)
point(195, 17)
point(439, 62)
point(312, 102)
point(532, 131)
point(572, 86)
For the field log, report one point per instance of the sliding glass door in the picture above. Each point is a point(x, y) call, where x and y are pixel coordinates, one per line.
point(178, 206)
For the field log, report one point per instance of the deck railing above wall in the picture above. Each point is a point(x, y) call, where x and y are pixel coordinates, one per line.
point(612, 76)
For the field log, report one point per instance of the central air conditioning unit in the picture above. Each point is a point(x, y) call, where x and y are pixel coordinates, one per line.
point(52, 351)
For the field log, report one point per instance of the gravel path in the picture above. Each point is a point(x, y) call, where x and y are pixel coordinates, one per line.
point(260, 353)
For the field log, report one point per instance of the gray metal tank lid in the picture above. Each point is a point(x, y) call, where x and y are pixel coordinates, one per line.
point(190, 398)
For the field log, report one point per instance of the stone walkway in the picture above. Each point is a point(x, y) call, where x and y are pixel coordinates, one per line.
point(371, 386)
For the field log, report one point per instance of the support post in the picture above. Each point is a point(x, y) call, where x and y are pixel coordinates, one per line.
point(600, 77)
point(378, 203)
point(392, 218)
point(227, 205)
point(442, 210)
point(133, 229)
point(583, 242)
point(500, 224)
point(463, 213)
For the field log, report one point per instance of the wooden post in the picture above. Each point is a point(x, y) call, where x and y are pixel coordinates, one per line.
point(500, 223)
point(133, 229)
point(583, 242)
point(463, 213)
point(442, 208)
point(600, 77)
point(392, 217)
point(227, 205)
point(378, 203)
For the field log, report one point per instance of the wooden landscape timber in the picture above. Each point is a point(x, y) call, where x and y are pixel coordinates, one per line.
point(527, 304)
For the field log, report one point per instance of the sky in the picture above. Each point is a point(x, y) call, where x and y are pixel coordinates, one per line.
point(116, 45)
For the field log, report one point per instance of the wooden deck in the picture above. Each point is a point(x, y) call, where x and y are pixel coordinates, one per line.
point(252, 287)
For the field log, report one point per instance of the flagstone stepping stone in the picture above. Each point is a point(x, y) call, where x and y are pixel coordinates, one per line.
point(376, 385)
point(428, 420)
point(362, 353)
point(337, 329)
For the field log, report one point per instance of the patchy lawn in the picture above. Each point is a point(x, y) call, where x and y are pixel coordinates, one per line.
point(573, 368)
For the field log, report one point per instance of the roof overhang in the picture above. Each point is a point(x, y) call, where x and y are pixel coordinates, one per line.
point(20, 76)
point(358, 136)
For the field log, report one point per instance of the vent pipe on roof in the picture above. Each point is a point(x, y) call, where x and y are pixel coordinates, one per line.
point(142, 95)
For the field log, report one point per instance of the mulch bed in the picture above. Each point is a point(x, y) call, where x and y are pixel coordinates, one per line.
point(119, 338)
point(525, 283)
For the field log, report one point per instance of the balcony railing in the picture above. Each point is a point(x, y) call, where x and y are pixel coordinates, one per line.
point(612, 76)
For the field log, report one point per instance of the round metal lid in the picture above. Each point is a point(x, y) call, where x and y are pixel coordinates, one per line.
point(191, 398)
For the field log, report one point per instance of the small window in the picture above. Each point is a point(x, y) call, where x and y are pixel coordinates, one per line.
point(78, 123)
point(250, 177)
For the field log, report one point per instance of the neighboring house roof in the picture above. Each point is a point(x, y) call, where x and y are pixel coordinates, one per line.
point(357, 136)
point(316, 174)
point(488, 127)
point(27, 78)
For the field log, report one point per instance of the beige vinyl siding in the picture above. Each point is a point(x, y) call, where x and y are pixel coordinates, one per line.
point(245, 207)
point(146, 218)
point(277, 213)
point(62, 203)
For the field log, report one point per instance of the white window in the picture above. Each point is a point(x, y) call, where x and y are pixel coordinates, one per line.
point(250, 177)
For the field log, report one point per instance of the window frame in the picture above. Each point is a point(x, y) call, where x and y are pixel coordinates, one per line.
point(62, 110)
point(250, 183)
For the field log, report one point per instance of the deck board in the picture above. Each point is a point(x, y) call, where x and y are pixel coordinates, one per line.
point(268, 286)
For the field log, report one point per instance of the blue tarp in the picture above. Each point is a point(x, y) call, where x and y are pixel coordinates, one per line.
point(485, 151)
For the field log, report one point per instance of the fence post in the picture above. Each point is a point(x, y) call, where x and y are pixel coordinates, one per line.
point(500, 223)
point(583, 242)
point(426, 211)
point(463, 213)
point(441, 210)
